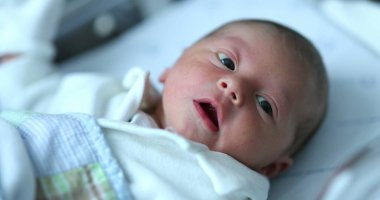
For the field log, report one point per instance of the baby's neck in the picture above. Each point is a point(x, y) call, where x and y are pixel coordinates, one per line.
point(157, 113)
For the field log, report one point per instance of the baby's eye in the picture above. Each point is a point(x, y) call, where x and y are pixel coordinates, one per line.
point(226, 61)
point(264, 104)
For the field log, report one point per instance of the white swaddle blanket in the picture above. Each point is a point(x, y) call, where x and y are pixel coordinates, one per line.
point(67, 149)
point(164, 165)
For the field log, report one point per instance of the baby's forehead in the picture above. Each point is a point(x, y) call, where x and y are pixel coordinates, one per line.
point(257, 35)
point(254, 29)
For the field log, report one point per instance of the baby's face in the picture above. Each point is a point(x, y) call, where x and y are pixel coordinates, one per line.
point(238, 93)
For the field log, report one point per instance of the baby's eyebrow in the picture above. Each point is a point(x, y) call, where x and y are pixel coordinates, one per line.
point(237, 41)
point(239, 46)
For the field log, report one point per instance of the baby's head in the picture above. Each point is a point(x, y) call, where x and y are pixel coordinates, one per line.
point(252, 89)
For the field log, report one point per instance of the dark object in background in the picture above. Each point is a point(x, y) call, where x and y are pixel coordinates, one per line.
point(89, 23)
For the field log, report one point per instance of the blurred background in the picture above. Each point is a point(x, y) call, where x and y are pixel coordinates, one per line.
point(89, 23)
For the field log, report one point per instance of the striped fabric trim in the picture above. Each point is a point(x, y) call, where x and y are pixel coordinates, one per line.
point(88, 182)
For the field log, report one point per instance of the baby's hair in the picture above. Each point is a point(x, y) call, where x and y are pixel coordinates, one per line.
point(308, 55)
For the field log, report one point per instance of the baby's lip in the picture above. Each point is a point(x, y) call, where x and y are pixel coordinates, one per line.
point(209, 113)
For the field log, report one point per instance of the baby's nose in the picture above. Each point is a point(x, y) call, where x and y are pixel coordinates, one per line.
point(232, 90)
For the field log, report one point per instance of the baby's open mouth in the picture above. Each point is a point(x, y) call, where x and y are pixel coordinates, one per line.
point(209, 114)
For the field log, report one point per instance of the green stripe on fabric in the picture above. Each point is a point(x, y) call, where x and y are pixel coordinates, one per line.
point(61, 185)
point(15, 117)
point(87, 182)
point(104, 191)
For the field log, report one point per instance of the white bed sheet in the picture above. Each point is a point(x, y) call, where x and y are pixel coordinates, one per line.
point(353, 118)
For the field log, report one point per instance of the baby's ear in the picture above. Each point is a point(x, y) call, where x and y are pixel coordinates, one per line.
point(164, 75)
point(276, 167)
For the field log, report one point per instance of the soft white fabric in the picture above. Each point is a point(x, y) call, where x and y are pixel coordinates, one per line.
point(164, 165)
point(142, 119)
point(91, 93)
point(17, 180)
point(359, 18)
point(25, 24)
